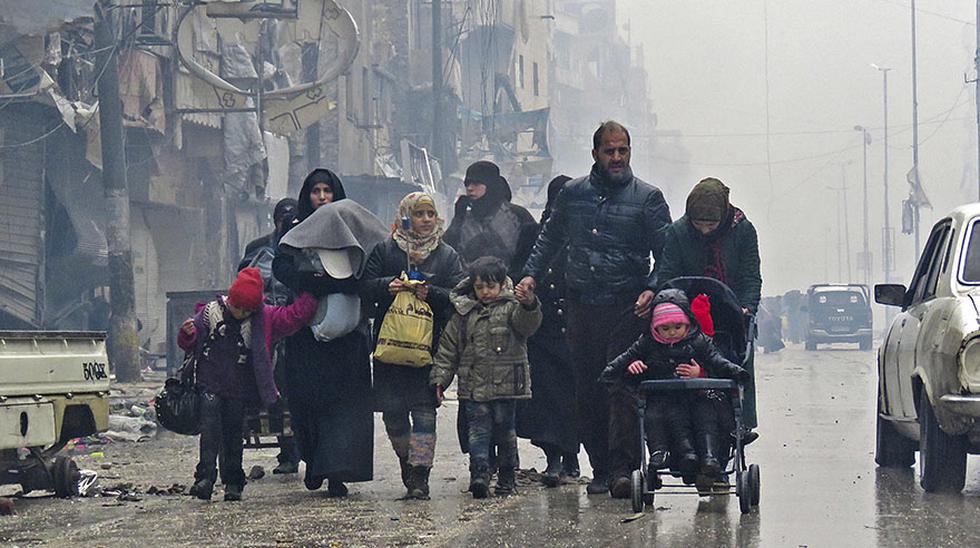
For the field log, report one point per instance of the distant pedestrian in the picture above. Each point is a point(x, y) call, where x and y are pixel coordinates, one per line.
point(485, 345)
point(402, 392)
point(608, 223)
point(233, 337)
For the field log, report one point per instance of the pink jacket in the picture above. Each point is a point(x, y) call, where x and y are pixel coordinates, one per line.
point(277, 322)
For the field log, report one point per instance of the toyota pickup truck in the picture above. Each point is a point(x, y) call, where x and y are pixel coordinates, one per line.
point(54, 386)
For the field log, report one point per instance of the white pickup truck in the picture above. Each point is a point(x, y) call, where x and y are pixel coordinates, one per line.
point(54, 386)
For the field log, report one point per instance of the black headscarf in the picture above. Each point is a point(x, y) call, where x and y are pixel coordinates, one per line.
point(318, 175)
point(554, 187)
point(498, 190)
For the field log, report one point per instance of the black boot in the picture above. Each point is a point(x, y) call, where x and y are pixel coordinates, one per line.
point(506, 482)
point(479, 479)
point(685, 458)
point(336, 488)
point(569, 465)
point(406, 473)
point(233, 493)
point(552, 474)
point(420, 482)
point(710, 467)
point(202, 489)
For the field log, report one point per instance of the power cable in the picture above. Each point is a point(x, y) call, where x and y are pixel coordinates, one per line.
point(129, 41)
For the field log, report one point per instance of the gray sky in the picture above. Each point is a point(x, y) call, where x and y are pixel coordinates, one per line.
point(707, 64)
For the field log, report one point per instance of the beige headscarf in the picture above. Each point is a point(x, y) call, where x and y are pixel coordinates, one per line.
point(416, 246)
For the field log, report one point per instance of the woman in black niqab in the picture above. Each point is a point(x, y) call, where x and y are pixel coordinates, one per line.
point(329, 383)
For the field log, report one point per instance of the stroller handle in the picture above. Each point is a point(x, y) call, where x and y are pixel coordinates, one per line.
point(687, 384)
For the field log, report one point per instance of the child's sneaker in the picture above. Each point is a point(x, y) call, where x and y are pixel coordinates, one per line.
point(658, 459)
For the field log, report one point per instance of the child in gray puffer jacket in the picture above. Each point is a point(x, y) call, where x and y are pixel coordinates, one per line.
point(485, 345)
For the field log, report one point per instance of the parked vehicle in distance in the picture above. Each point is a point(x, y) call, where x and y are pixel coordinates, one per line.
point(54, 386)
point(929, 361)
point(838, 313)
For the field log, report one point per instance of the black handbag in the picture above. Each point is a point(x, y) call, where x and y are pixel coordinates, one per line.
point(178, 405)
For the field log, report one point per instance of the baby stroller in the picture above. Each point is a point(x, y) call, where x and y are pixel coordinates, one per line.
point(733, 338)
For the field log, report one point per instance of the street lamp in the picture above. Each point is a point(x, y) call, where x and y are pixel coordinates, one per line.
point(866, 244)
point(886, 237)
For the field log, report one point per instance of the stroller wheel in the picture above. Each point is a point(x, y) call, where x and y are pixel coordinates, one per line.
point(754, 484)
point(636, 490)
point(742, 492)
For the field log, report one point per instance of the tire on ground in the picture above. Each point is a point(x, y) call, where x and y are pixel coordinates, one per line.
point(942, 457)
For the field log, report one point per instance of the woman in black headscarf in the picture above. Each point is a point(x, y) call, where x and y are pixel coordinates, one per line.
point(548, 418)
point(329, 383)
point(485, 221)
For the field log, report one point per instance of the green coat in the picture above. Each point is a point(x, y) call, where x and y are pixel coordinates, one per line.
point(486, 346)
point(686, 254)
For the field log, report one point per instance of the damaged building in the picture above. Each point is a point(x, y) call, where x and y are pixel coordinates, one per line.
point(208, 154)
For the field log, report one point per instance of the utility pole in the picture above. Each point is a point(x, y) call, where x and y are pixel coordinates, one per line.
point(123, 348)
point(976, 64)
point(847, 224)
point(886, 236)
point(840, 258)
point(915, 143)
point(437, 77)
point(865, 237)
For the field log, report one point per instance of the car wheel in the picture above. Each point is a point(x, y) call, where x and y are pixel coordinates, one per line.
point(942, 457)
point(865, 343)
point(892, 450)
point(810, 345)
point(66, 476)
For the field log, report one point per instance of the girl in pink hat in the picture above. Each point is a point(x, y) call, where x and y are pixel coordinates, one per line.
point(674, 347)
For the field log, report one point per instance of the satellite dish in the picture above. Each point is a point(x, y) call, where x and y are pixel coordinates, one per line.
point(316, 20)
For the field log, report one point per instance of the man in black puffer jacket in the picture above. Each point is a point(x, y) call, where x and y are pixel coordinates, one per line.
point(610, 222)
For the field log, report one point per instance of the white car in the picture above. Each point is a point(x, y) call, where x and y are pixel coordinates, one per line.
point(929, 361)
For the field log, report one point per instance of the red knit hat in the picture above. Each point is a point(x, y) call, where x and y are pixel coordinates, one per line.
point(246, 291)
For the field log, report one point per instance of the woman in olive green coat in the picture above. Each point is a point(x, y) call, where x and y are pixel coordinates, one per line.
point(714, 239)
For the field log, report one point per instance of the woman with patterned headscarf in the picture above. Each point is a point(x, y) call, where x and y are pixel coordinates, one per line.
point(402, 393)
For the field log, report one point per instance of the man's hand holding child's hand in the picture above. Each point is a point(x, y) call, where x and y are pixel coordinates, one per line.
point(689, 370)
point(637, 367)
point(524, 294)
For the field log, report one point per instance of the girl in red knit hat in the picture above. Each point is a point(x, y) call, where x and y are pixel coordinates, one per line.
point(676, 346)
point(232, 336)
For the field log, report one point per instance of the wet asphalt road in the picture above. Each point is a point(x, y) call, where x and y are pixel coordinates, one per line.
point(820, 487)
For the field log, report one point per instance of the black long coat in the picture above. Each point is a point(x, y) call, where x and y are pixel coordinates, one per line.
point(548, 418)
point(329, 383)
point(442, 270)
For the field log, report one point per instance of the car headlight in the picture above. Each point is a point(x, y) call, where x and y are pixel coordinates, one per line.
point(970, 364)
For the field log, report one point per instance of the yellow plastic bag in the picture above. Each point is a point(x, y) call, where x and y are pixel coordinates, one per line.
point(406, 331)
